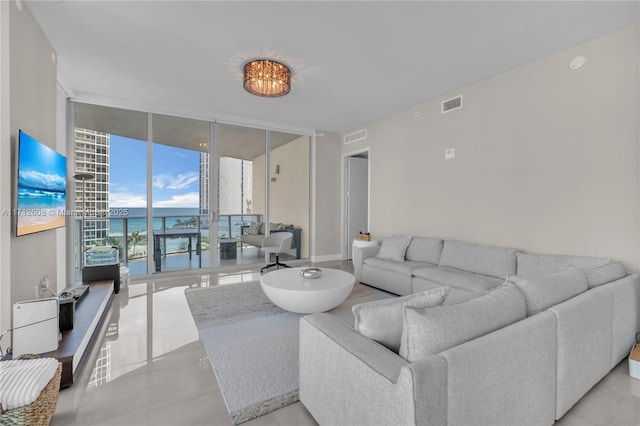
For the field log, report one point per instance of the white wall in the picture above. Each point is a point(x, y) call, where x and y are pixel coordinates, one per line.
point(326, 243)
point(547, 158)
point(29, 83)
point(5, 173)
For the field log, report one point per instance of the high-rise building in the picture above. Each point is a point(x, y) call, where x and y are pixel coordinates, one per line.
point(204, 183)
point(234, 192)
point(92, 156)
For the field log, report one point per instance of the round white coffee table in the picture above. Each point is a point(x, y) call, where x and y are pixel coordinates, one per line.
point(290, 291)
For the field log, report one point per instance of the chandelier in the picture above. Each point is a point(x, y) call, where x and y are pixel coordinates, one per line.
point(264, 77)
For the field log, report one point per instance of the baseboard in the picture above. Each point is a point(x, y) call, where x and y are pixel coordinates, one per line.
point(326, 258)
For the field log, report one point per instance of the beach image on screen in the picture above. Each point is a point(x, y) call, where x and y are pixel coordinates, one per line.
point(41, 191)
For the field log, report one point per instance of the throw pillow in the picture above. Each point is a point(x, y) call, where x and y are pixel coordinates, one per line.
point(432, 330)
point(382, 320)
point(605, 274)
point(544, 291)
point(254, 228)
point(394, 248)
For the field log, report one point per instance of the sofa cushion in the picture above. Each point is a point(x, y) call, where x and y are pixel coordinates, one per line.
point(547, 290)
point(532, 264)
point(404, 268)
point(455, 294)
point(459, 279)
point(479, 258)
point(387, 280)
point(605, 274)
point(430, 331)
point(394, 248)
point(424, 249)
point(381, 320)
point(458, 296)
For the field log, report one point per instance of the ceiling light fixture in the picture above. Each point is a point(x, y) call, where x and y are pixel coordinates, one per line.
point(264, 77)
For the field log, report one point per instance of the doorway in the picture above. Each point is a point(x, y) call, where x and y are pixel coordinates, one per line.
point(355, 198)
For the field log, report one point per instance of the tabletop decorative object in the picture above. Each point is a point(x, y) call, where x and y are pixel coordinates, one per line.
point(311, 272)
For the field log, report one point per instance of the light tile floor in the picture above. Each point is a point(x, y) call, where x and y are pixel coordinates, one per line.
point(150, 368)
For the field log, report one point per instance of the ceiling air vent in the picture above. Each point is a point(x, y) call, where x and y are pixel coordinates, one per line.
point(452, 104)
point(355, 136)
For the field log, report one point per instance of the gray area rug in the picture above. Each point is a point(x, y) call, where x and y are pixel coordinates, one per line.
point(253, 345)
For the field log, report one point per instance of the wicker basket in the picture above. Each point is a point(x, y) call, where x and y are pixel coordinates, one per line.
point(40, 411)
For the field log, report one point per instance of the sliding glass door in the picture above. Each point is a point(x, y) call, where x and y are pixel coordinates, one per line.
point(180, 200)
point(270, 192)
point(238, 149)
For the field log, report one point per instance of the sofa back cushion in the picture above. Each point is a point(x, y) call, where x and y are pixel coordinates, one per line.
point(479, 258)
point(547, 290)
point(381, 320)
point(432, 330)
point(605, 274)
point(424, 249)
point(532, 264)
point(394, 248)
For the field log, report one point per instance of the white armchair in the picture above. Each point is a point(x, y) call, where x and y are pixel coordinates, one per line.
point(278, 242)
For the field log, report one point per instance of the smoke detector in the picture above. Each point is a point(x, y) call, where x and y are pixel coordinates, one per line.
point(578, 63)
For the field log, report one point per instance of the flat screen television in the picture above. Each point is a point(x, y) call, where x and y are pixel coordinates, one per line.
point(41, 187)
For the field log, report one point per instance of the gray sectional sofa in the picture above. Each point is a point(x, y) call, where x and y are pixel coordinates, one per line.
point(499, 351)
point(429, 263)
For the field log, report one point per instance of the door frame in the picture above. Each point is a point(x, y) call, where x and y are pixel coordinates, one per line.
point(343, 194)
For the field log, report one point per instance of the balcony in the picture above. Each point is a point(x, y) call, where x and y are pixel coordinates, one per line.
point(180, 233)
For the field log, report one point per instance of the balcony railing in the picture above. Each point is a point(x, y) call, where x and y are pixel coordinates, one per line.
point(130, 234)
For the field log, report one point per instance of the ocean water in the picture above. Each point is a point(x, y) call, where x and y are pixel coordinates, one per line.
point(228, 225)
point(137, 218)
point(137, 221)
point(39, 206)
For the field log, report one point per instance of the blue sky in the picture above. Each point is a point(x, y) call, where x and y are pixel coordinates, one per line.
point(40, 166)
point(175, 175)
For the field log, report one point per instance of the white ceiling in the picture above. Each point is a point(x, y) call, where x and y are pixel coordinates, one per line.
point(352, 62)
point(241, 142)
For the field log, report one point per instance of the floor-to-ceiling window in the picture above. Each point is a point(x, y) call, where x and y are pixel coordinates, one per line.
point(180, 177)
point(110, 200)
point(177, 194)
point(238, 148)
